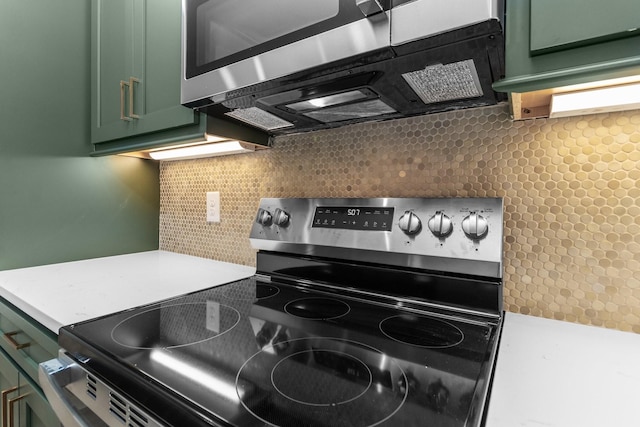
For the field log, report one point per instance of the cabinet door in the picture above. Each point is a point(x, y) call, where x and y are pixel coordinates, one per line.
point(113, 57)
point(553, 44)
point(8, 383)
point(23, 403)
point(559, 25)
point(24, 342)
point(32, 407)
point(161, 72)
point(135, 87)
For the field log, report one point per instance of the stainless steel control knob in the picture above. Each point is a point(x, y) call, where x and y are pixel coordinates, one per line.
point(281, 218)
point(409, 223)
point(475, 226)
point(264, 217)
point(440, 224)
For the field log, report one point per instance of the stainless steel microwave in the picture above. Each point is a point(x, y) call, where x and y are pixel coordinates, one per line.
point(293, 65)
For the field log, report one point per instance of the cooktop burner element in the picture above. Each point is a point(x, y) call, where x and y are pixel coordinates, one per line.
point(175, 325)
point(322, 391)
point(317, 308)
point(362, 312)
point(422, 331)
point(331, 379)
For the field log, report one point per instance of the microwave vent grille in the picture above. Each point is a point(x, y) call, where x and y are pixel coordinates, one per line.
point(259, 118)
point(439, 83)
point(368, 108)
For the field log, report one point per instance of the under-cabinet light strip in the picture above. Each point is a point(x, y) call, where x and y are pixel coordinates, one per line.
point(204, 150)
point(593, 101)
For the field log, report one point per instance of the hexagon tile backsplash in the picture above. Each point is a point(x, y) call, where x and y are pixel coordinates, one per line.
point(571, 190)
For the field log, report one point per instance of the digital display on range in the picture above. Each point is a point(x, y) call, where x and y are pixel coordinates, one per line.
point(353, 218)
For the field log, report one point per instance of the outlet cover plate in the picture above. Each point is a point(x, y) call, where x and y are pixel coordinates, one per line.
point(213, 206)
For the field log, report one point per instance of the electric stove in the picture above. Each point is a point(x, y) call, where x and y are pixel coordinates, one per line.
point(363, 312)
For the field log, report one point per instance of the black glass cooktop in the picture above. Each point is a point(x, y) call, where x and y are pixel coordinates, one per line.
point(252, 353)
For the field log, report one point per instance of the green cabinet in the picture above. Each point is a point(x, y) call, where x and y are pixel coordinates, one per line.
point(23, 345)
point(23, 403)
point(566, 24)
point(135, 69)
point(557, 43)
point(9, 382)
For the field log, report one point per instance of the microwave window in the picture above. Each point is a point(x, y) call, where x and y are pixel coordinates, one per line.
point(226, 27)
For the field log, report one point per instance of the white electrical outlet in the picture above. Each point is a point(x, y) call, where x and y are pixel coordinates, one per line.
point(213, 206)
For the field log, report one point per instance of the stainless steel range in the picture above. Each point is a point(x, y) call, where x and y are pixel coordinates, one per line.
point(363, 312)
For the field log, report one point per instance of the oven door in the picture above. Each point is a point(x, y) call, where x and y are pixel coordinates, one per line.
point(229, 44)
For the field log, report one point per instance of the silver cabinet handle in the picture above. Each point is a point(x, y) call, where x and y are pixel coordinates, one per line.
point(122, 115)
point(132, 80)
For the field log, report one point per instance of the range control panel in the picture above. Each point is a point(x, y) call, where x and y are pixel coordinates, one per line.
point(365, 218)
point(426, 230)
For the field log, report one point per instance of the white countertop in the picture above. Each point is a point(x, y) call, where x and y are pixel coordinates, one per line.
point(548, 374)
point(559, 374)
point(61, 294)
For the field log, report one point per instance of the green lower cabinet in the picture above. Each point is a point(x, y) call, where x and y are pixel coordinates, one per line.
point(9, 382)
point(23, 404)
point(34, 410)
point(23, 345)
point(27, 343)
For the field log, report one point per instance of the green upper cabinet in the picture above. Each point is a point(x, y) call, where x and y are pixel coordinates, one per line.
point(565, 24)
point(557, 43)
point(135, 67)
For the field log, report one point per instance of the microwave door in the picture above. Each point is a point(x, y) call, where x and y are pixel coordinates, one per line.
point(230, 44)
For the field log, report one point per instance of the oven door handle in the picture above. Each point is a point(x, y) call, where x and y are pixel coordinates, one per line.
point(54, 375)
